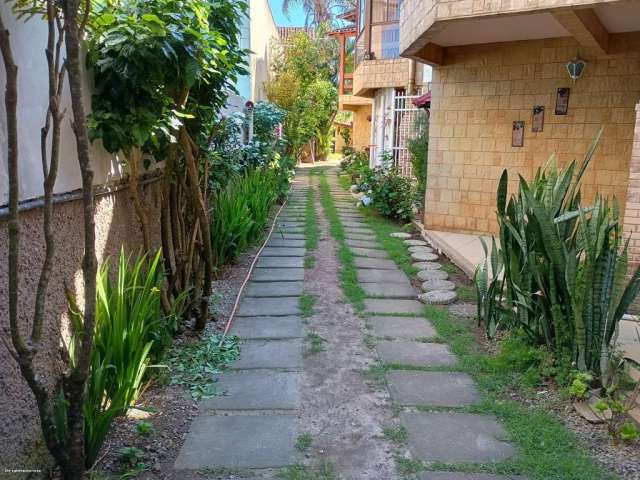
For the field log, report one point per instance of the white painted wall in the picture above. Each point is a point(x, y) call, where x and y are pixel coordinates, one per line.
point(263, 33)
point(381, 124)
point(28, 42)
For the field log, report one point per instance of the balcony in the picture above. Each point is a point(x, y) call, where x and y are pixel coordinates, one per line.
point(428, 27)
point(371, 75)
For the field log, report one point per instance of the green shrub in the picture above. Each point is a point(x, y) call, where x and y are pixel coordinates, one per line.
point(129, 319)
point(393, 194)
point(563, 267)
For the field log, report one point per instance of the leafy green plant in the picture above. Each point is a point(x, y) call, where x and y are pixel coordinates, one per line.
point(418, 146)
point(579, 387)
point(194, 365)
point(129, 322)
point(144, 428)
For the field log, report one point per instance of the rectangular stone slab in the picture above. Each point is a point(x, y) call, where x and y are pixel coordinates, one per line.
point(274, 289)
point(382, 276)
point(283, 252)
point(239, 441)
point(350, 223)
point(285, 354)
point(379, 305)
point(358, 231)
point(278, 274)
point(263, 328)
point(401, 327)
point(280, 262)
point(360, 236)
point(466, 476)
point(416, 354)
point(369, 252)
point(439, 389)
point(455, 437)
point(363, 243)
point(390, 290)
point(288, 235)
point(277, 307)
point(376, 263)
point(256, 390)
point(277, 241)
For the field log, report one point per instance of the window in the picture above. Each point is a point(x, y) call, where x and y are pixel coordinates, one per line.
point(361, 12)
point(385, 11)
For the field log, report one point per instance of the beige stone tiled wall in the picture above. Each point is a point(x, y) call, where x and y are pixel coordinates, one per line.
point(361, 127)
point(484, 88)
point(632, 211)
point(416, 16)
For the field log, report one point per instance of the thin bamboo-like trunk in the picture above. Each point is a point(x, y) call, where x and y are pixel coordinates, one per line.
point(134, 160)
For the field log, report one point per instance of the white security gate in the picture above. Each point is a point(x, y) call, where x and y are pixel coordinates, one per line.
point(405, 114)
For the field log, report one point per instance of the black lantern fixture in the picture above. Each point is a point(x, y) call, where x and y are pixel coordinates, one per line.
point(575, 67)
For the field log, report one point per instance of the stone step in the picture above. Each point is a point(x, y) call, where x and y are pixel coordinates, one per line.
point(280, 262)
point(274, 289)
point(455, 437)
point(278, 275)
point(415, 354)
point(256, 390)
point(277, 241)
point(401, 327)
point(388, 306)
point(437, 389)
point(389, 290)
point(382, 276)
point(363, 244)
point(283, 252)
point(379, 263)
point(239, 441)
point(261, 354)
point(267, 328)
point(369, 252)
point(273, 307)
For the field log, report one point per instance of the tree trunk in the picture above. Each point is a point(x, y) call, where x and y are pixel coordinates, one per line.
point(134, 160)
point(75, 383)
point(200, 207)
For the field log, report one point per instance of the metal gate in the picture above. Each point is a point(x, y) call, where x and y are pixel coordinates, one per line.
point(405, 114)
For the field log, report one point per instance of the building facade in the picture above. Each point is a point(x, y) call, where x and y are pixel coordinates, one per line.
point(503, 98)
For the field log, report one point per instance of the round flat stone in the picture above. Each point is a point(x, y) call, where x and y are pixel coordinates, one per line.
point(426, 275)
point(401, 235)
point(415, 243)
point(427, 265)
point(468, 310)
point(437, 285)
point(439, 297)
point(421, 249)
point(424, 257)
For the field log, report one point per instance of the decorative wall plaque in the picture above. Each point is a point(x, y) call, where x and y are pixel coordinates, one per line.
point(562, 101)
point(537, 122)
point(517, 134)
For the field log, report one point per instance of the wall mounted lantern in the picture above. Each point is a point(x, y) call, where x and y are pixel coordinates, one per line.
point(575, 67)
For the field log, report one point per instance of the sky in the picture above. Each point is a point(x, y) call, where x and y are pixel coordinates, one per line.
point(296, 14)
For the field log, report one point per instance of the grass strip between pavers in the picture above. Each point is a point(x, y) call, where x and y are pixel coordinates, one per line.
point(547, 450)
point(348, 275)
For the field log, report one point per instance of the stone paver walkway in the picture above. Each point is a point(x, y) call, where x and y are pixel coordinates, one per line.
point(253, 424)
point(256, 422)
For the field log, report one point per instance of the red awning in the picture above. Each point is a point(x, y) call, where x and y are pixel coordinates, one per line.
point(423, 101)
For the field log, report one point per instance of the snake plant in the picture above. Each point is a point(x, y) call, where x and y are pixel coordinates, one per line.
point(560, 269)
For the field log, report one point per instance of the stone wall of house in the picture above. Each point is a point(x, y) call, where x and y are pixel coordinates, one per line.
point(632, 210)
point(361, 135)
point(483, 89)
point(116, 226)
